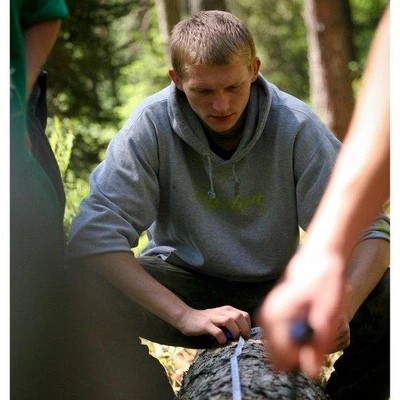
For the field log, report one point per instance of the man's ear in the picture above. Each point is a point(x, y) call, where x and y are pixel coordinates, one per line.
point(174, 78)
point(256, 68)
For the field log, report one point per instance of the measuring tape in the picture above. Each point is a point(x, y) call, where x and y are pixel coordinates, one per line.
point(236, 390)
point(300, 332)
point(255, 333)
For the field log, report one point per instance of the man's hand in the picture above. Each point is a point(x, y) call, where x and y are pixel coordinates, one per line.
point(214, 321)
point(123, 271)
point(312, 291)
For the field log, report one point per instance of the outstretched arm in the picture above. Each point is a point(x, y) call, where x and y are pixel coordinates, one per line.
point(124, 272)
point(327, 270)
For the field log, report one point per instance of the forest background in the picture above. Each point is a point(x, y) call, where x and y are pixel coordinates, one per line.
point(111, 54)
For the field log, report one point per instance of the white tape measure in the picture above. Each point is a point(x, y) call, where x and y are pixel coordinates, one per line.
point(236, 390)
point(255, 333)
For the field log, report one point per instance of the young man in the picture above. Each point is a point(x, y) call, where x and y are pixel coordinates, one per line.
point(220, 168)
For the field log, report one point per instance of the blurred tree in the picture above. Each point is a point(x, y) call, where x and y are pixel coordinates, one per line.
point(334, 62)
point(330, 53)
point(198, 5)
point(168, 12)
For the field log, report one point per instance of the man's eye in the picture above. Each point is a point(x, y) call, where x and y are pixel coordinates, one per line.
point(203, 91)
point(233, 88)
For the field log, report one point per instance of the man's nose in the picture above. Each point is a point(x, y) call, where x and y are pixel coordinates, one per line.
point(220, 102)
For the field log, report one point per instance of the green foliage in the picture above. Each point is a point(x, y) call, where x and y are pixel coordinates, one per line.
point(146, 74)
point(91, 140)
point(76, 161)
point(280, 36)
point(61, 139)
point(61, 134)
point(76, 190)
point(84, 65)
point(365, 17)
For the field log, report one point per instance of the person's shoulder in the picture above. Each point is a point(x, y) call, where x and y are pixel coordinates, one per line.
point(297, 117)
point(159, 98)
point(282, 99)
point(289, 107)
point(153, 107)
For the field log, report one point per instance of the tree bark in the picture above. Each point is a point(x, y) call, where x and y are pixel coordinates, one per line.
point(209, 377)
point(330, 51)
point(168, 14)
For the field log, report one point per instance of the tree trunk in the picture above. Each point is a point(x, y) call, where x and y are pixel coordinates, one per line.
point(168, 14)
point(198, 5)
point(330, 51)
point(209, 377)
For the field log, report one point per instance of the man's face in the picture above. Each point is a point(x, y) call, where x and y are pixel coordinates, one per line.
point(218, 94)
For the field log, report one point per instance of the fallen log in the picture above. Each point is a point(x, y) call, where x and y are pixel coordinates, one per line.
point(209, 377)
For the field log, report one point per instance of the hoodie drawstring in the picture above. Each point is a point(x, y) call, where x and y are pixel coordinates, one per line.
point(211, 193)
point(236, 181)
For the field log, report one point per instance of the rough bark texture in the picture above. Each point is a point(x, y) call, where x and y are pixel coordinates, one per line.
point(209, 377)
point(330, 51)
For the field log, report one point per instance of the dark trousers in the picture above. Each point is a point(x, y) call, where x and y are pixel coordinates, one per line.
point(363, 371)
point(113, 364)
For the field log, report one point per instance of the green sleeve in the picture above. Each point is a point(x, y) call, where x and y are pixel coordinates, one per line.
point(36, 11)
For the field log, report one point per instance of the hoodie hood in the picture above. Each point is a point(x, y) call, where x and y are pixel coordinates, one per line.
point(187, 125)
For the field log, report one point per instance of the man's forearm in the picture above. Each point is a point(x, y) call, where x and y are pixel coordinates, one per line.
point(368, 262)
point(125, 273)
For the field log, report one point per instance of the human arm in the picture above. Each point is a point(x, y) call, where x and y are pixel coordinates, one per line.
point(316, 291)
point(40, 21)
point(39, 41)
point(320, 285)
point(125, 273)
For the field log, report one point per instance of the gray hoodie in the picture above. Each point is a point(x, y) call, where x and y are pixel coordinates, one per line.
point(236, 219)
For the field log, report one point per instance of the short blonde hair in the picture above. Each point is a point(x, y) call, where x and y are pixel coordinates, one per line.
point(215, 38)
